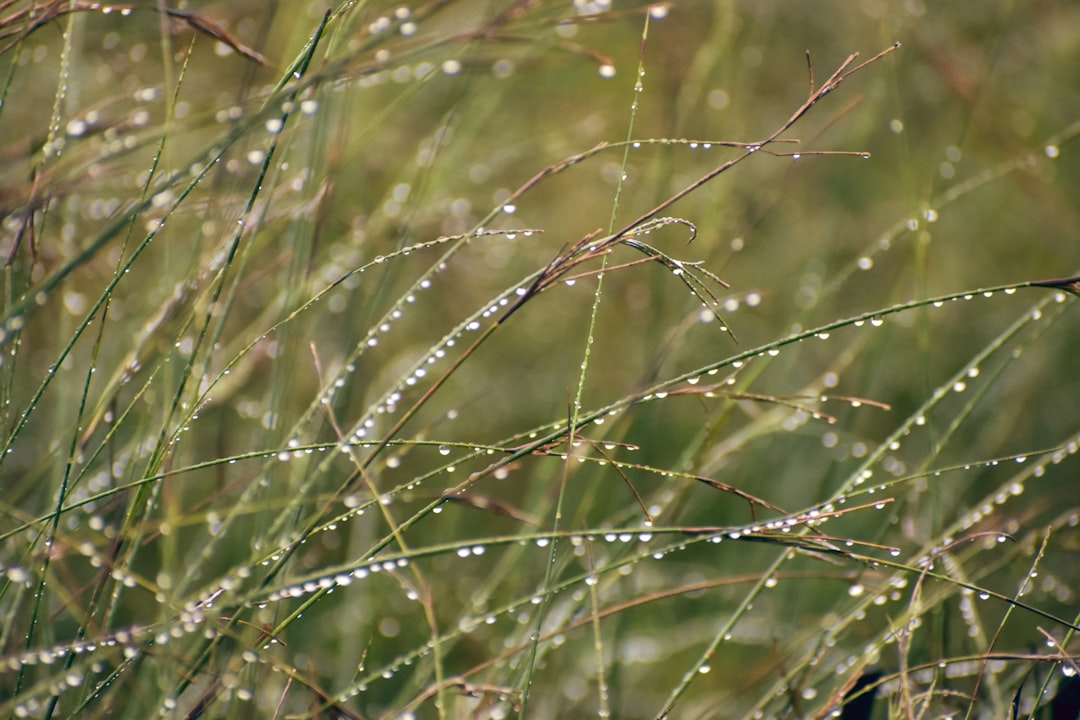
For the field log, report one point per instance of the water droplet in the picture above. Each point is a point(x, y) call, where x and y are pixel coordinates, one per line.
point(444, 450)
point(607, 71)
point(1052, 151)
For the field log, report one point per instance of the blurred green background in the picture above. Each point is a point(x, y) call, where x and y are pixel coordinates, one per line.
point(415, 122)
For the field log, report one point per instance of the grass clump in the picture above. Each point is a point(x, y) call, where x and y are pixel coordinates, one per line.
point(456, 360)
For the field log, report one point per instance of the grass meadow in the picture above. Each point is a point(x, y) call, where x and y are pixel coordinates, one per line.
point(539, 359)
